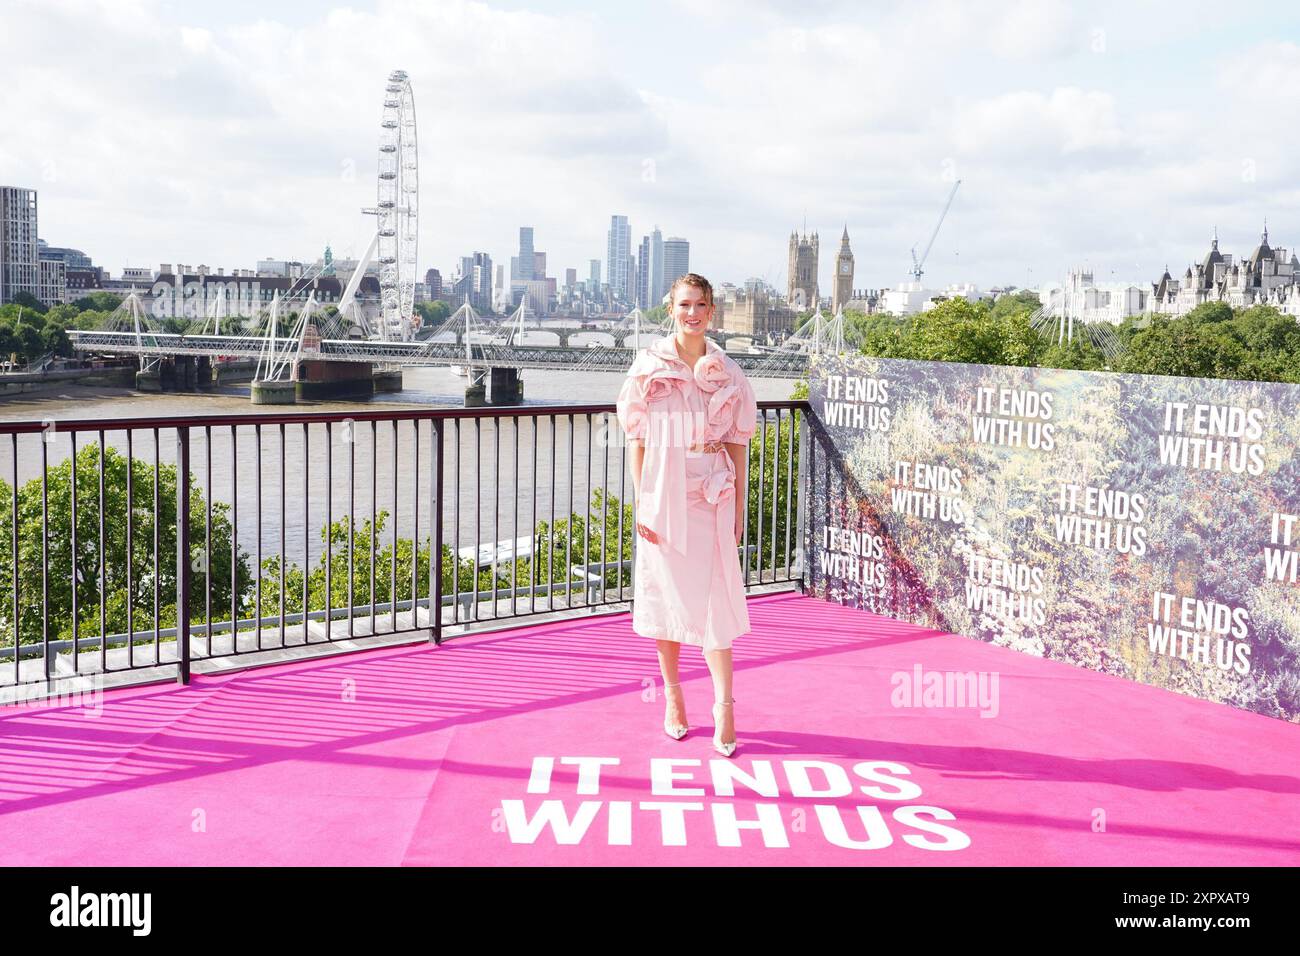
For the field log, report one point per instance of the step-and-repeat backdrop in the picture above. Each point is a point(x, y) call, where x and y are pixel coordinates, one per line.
point(1143, 526)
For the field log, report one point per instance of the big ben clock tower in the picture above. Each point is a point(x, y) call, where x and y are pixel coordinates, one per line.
point(843, 274)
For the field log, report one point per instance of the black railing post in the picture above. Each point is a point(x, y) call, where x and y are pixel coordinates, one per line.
point(807, 470)
point(182, 554)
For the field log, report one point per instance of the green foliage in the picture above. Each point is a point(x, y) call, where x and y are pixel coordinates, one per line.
point(870, 332)
point(26, 340)
point(770, 472)
point(1025, 301)
point(954, 331)
point(140, 596)
point(28, 302)
point(558, 550)
point(335, 557)
point(585, 539)
point(1209, 312)
point(90, 319)
point(1255, 344)
point(432, 313)
point(98, 302)
point(1211, 341)
point(29, 330)
point(62, 314)
point(1078, 353)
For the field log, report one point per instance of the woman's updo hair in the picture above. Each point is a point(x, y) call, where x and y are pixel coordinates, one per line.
point(691, 279)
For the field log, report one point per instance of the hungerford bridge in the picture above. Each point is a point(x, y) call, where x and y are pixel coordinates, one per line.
point(304, 350)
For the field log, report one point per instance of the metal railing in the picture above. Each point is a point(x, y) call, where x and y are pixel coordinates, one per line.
point(124, 547)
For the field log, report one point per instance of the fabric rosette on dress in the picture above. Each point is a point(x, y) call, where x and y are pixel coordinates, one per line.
point(722, 397)
point(732, 410)
point(647, 394)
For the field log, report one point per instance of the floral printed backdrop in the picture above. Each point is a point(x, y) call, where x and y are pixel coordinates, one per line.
point(1143, 526)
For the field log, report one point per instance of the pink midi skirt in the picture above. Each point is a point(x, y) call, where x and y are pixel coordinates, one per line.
point(696, 598)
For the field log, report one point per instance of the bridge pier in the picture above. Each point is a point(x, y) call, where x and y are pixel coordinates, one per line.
point(500, 386)
point(273, 392)
point(319, 379)
point(505, 386)
point(186, 378)
point(240, 370)
point(387, 379)
point(180, 373)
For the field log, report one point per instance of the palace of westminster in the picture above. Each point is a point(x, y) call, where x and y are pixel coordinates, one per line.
point(754, 309)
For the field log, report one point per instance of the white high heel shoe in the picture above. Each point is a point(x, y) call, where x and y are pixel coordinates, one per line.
point(675, 731)
point(725, 749)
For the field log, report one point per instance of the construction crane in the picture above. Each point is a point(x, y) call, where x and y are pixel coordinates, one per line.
point(918, 264)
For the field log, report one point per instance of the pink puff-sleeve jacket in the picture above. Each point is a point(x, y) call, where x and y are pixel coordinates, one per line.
point(657, 408)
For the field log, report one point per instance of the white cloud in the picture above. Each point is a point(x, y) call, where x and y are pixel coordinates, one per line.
point(1028, 126)
point(1030, 29)
point(161, 136)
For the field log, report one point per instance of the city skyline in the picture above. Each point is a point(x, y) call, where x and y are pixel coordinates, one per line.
point(1079, 137)
point(1271, 276)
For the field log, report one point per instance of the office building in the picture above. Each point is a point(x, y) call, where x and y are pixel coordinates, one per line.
point(677, 259)
point(53, 282)
point(19, 261)
point(71, 258)
point(650, 270)
point(618, 257)
point(525, 264)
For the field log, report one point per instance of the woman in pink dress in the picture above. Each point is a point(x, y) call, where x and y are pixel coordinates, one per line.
point(689, 413)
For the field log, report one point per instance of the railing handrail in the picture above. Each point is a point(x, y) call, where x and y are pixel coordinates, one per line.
point(305, 417)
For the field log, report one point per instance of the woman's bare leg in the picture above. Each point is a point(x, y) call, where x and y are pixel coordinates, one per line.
point(720, 667)
point(670, 653)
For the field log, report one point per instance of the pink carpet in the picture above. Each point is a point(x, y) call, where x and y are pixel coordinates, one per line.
point(440, 756)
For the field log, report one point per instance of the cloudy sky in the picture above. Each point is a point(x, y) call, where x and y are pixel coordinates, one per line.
point(1115, 135)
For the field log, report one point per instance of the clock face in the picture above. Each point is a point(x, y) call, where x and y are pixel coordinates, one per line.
point(844, 268)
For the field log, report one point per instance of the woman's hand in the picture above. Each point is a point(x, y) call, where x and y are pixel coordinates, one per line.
point(647, 533)
point(740, 525)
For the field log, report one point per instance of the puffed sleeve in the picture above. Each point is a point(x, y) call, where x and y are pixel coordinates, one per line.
point(746, 421)
point(632, 407)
